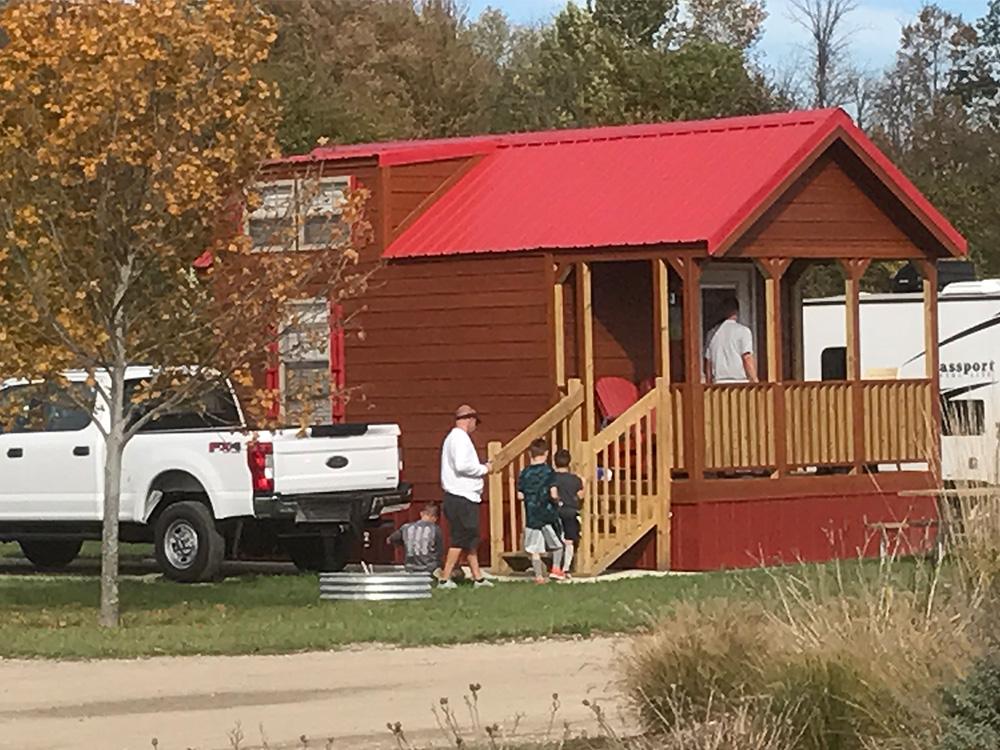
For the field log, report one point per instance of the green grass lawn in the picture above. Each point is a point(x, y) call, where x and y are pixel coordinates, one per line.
point(56, 616)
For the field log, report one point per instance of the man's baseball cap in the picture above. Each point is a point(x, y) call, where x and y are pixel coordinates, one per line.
point(466, 412)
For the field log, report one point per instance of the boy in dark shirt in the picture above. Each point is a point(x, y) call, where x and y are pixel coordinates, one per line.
point(542, 531)
point(422, 540)
point(569, 488)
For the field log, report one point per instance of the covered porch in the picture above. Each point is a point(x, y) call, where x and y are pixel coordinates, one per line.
point(698, 476)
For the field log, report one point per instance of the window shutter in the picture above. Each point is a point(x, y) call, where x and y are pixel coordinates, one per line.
point(272, 379)
point(338, 371)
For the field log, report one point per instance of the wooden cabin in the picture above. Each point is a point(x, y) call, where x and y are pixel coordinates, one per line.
point(520, 271)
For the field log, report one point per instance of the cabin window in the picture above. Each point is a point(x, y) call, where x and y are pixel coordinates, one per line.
point(299, 214)
point(963, 418)
point(833, 363)
point(304, 352)
point(46, 407)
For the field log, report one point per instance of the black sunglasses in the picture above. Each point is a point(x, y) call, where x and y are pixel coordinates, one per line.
point(468, 416)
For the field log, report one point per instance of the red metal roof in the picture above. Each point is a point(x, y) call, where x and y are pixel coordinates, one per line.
point(683, 182)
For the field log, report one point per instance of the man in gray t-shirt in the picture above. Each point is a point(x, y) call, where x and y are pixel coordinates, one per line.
point(729, 349)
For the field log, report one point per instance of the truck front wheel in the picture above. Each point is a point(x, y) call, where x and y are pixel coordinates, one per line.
point(187, 545)
point(51, 554)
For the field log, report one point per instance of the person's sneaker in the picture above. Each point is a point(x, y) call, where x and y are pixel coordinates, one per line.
point(482, 583)
point(557, 574)
point(447, 584)
point(541, 580)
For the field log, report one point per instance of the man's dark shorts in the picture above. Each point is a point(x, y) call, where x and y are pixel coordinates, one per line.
point(463, 518)
point(571, 524)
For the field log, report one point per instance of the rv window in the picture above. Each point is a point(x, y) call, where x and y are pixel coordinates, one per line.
point(833, 363)
point(963, 418)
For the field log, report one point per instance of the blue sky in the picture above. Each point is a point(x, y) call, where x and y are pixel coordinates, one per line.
point(875, 25)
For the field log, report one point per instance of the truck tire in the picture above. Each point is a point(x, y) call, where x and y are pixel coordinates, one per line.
point(50, 554)
point(316, 554)
point(187, 545)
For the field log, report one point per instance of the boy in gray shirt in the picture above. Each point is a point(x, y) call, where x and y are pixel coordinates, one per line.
point(422, 541)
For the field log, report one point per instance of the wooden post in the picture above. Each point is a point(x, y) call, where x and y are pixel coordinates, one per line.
point(932, 356)
point(855, 269)
point(689, 270)
point(661, 304)
point(774, 269)
point(664, 466)
point(496, 511)
point(664, 439)
point(559, 323)
point(585, 346)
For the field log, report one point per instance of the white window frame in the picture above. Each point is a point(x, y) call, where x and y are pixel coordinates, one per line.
point(285, 358)
point(333, 208)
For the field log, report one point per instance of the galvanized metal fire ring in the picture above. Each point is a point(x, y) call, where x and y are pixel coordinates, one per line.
point(374, 586)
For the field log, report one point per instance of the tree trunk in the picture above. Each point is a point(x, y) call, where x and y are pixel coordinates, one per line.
point(114, 448)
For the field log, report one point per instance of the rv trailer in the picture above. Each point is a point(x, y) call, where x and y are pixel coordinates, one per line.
point(892, 346)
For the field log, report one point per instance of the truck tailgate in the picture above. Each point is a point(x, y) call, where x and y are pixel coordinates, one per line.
point(344, 462)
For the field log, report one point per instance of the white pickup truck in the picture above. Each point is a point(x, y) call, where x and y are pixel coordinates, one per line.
point(194, 483)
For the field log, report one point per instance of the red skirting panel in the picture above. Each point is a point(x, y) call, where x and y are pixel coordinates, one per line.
point(742, 533)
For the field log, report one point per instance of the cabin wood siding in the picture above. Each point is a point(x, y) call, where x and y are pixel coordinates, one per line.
point(827, 213)
point(410, 185)
point(445, 332)
point(623, 320)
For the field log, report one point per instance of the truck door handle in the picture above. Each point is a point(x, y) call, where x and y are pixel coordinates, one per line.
point(81, 450)
point(15, 452)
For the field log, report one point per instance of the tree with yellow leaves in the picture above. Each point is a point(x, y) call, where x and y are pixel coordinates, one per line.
point(132, 133)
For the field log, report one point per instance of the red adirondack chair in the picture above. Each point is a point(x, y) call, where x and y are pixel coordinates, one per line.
point(614, 396)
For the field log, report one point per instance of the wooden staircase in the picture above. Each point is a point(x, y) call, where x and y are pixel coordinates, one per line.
point(626, 470)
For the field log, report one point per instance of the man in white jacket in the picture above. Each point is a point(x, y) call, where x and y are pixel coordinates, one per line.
point(462, 481)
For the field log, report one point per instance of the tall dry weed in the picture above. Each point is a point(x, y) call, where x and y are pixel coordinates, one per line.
point(845, 664)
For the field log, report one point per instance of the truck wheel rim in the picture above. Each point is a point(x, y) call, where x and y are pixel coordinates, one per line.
point(180, 544)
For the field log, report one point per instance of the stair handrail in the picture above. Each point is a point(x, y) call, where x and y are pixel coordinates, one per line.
point(569, 403)
point(625, 421)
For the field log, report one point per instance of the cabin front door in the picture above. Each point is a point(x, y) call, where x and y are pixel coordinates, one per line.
point(719, 282)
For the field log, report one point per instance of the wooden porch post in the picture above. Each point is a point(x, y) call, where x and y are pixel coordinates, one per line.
point(585, 344)
point(689, 270)
point(559, 323)
point(664, 410)
point(928, 270)
point(774, 269)
point(855, 269)
point(496, 511)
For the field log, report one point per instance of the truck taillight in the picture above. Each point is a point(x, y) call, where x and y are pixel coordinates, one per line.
point(260, 459)
point(400, 459)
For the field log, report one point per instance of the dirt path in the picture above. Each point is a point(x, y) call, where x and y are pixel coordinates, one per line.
point(195, 702)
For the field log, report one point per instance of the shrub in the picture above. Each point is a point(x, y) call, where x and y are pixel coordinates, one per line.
point(972, 709)
point(852, 669)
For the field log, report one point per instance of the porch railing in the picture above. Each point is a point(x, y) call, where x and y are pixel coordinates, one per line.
point(818, 423)
point(627, 485)
point(897, 422)
point(739, 426)
point(826, 424)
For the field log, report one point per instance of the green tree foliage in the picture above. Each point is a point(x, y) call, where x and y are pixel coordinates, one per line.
point(935, 115)
point(616, 62)
point(376, 70)
point(418, 68)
